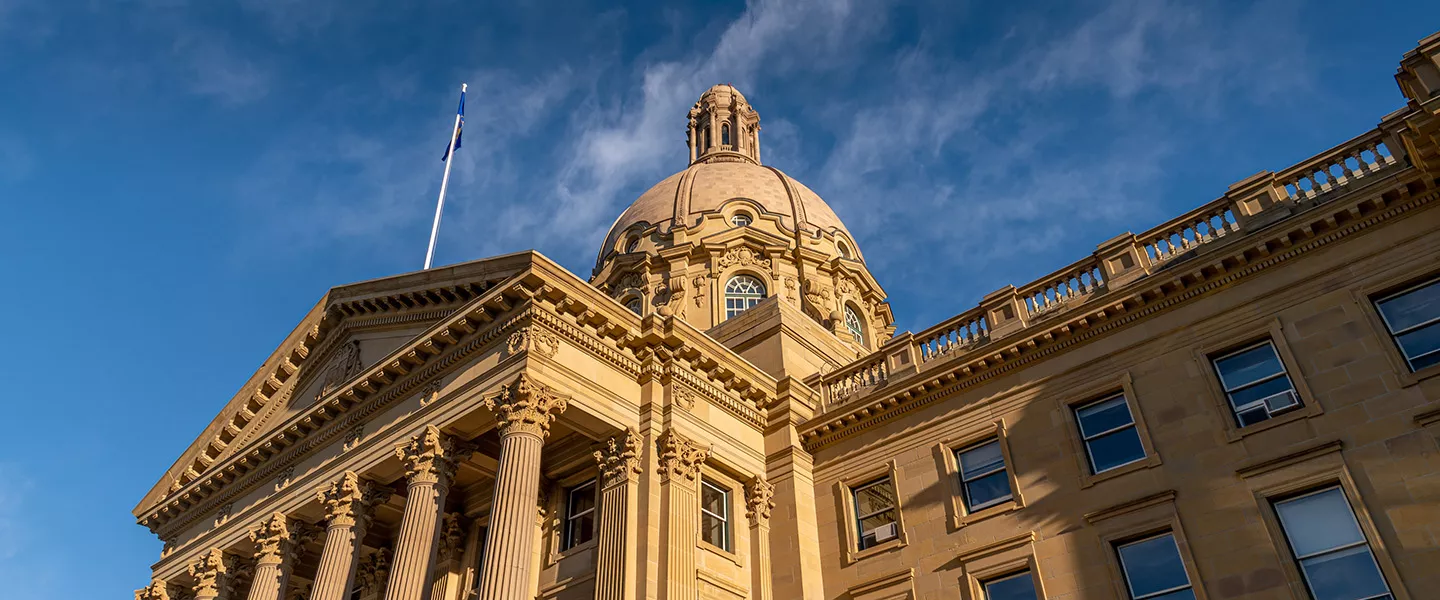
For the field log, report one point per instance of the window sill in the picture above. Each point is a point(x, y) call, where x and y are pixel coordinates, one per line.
point(1410, 378)
point(988, 512)
point(1089, 479)
point(721, 552)
point(1234, 434)
point(887, 546)
point(556, 557)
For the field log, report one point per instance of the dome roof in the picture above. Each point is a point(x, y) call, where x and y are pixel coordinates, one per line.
point(686, 196)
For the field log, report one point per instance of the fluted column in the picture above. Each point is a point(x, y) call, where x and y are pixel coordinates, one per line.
point(430, 460)
point(759, 501)
point(275, 544)
point(615, 572)
point(348, 510)
point(524, 411)
point(680, 461)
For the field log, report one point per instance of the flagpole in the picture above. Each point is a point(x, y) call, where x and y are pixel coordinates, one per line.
point(444, 181)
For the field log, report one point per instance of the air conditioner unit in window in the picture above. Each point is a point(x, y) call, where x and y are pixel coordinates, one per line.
point(1281, 401)
point(884, 532)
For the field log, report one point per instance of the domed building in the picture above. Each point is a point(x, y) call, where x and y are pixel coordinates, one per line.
point(1240, 402)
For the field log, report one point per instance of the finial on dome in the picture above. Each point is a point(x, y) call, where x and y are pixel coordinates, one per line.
point(723, 127)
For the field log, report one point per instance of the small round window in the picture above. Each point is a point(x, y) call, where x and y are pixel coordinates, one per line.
point(635, 305)
point(632, 245)
point(740, 220)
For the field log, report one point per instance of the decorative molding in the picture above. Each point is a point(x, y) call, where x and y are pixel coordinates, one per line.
point(452, 538)
point(343, 366)
point(874, 584)
point(353, 437)
point(273, 539)
point(282, 480)
point(349, 500)
point(684, 397)
point(155, 591)
point(743, 256)
point(989, 548)
point(525, 406)
point(759, 500)
point(431, 457)
point(374, 571)
point(680, 456)
point(223, 515)
point(1428, 418)
point(533, 339)
point(208, 573)
point(1310, 452)
point(620, 460)
point(1129, 506)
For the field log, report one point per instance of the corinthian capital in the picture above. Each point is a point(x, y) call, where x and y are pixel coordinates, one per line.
point(208, 573)
point(526, 407)
point(431, 456)
point(348, 500)
point(620, 461)
point(680, 456)
point(759, 499)
point(154, 591)
point(273, 539)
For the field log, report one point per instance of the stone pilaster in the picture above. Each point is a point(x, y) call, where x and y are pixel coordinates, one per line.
point(759, 501)
point(275, 544)
point(214, 575)
point(524, 410)
point(795, 573)
point(430, 459)
point(447, 559)
point(154, 591)
point(680, 461)
point(348, 510)
point(615, 572)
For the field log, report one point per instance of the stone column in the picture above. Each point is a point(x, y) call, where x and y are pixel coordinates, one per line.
point(214, 575)
point(447, 559)
point(759, 501)
point(524, 411)
point(680, 460)
point(795, 571)
point(275, 543)
point(430, 460)
point(348, 503)
point(615, 572)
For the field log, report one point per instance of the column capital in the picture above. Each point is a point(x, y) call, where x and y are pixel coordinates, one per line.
point(374, 570)
point(208, 572)
point(759, 500)
point(680, 456)
point(154, 591)
point(452, 537)
point(349, 499)
point(276, 538)
point(431, 457)
point(620, 461)
point(526, 406)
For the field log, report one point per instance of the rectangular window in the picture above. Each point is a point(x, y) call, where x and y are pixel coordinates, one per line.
point(1256, 384)
point(1017, 586)
point(1325, 539)
point(983, 480)
point(580, 515)
point(715, 515)
point(1108, 429)
point(875, 517)
point(1413, 318)
point(1153, 569)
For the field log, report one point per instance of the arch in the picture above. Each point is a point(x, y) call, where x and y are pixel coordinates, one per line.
point(725, 134)
point(854, 324)
point(636, 305)
point(844, 249)
point(742, 293)
point(741, 219)
point(632, 244)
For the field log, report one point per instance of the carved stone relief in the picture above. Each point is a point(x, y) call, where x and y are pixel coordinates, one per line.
point(533, 339)
point(343, 366)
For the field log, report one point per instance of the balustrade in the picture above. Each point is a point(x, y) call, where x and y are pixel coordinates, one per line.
point(1063, 286)
point(1343, 165)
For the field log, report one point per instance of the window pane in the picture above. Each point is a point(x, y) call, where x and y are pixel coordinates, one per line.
point(1256, 363)
point(1015, 587)
point(1421, 341)
point(869, 524)
point(582, 499)
point(1345, 575)
point(1185, 594)
point(1153, 565)
point(713, 500)
point(1318, 522)
point(986, 490)
point(1114, 449)
point(582, 529)
point(1102, 416)
point(873, 498)
point(1265, 390)
point(712, 530)
point(1413, 308)
point(981, 459)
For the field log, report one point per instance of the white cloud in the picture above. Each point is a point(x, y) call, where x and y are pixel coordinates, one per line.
point(213, 68)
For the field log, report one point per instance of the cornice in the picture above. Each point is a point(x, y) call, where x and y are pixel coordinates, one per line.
point(1176, 283)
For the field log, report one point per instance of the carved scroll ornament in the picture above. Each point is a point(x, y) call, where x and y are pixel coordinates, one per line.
point(620, 461)
point(526, 406)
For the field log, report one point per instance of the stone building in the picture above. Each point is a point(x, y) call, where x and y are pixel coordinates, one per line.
point(1242, 402)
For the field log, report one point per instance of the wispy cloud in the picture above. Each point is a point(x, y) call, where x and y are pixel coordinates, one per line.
point(215, 69)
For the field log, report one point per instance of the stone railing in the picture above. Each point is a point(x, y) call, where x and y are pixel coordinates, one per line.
point(1115, 264)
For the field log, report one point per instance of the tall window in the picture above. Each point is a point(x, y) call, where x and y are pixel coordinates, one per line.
point(1017, 586)
point(855, 325)
point(1108, 429)
point(707, 138)
point(1256, 384)
point(742, 293)
point(1153, 569)
point(725, 134)
point(1413, 318)
point(1333, 555)
point(715, 515)
point(875, 518)
point(983, 480)
point(580, 515)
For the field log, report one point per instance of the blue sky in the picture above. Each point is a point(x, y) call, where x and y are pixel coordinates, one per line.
point(180, 181)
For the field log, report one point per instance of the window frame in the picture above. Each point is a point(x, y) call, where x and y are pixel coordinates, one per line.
point(1298, 560)
point(859, 518)
point(965, 482)
point(1245, 335)
point(1225, 387)
point(741, 215)
point(1371, 299)
point(567, 535)
point(985, 583)
point(987, 562)
point(750, 299)
point(727, 520)
point(947, 459)
point(1106, 388)
point(1085, 438)
point(639, 302)
point(1129, 587)
point(849, 537)
point(857, 330)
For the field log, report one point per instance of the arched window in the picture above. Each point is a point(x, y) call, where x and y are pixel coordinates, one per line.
point(725, 134)
point(635, 305)
point(844, 250)
point(742, 293)
point(707, 138)
point(853, 323)
point(632, 245)
point(740, 220)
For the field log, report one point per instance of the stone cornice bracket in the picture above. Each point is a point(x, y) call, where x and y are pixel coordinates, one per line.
point(154, 591)
point(208, 572)
point(526, 406)
point(759, 500)
point(431, 457)
point(273, 539)
point(348, 500)
point(680, 456)
point(620, 461)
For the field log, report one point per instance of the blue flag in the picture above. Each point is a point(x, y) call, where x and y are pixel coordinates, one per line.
point(459, 128)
